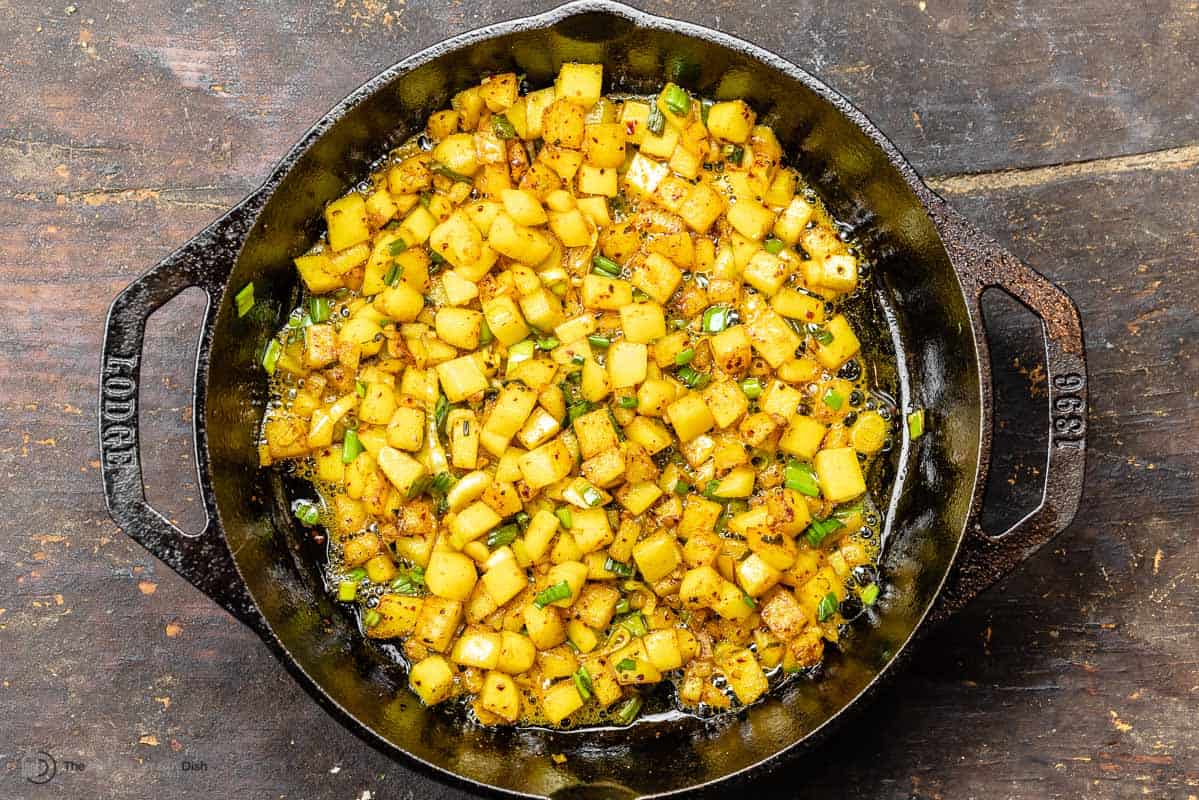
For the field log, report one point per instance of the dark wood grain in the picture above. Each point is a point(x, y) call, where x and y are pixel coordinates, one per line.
point(128, 126)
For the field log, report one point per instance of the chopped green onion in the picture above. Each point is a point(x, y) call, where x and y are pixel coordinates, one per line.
point(502, 127)
point(360, 388)
point(442, 482)
point(548, 343)
point(676, 99)
point(270, 356)
point(828, 605)
point(320, 308)
point(410, 582)
point(618, 568)
point(678, 324)
point(559, 591)
point(437, 168)
point(440, 411)
point(710, 489)
point(820, 529)
point(869, 595)
point(681, 487)
point(752, 388)
point(749, 601)
point(396, 246)
point(502, 536)
point(582, 679)
point(592, 497)
point(372, 618)
point(639, 295)
point(628, 401)
point(823, 335)
point(392, 278)
point(347, 591)
point(634, 623)
point(684, 357)
point(419, 486)
point(692, 378)
point(602, 265)
point(578, 359)
point(656, 122)
point(356, 574)
point(773, 246)
point(437, 260)
point(626, 664)
point(734, 153)
point(485, 335)
point(629, 709)
point(244, 299)
point(844, 514)
point(601, 342)
point(425, 197)
point(565, 517)
point(799, 476)
point(716, 319)
point(916, 423)
point(704, 107)
point(622, 605)
point(578, 409)
point(350, 447)
point(306, 511)
point(834, 399)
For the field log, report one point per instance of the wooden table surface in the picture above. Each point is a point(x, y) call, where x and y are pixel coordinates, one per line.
point(1069, 130)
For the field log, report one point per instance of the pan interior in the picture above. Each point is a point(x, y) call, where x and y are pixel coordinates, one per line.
point(927, 344)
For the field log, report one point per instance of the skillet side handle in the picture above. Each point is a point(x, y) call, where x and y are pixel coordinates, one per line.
point(203, 558)
point(987, 556)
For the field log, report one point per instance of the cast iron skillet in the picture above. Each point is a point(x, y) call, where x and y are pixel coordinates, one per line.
point(932, 266)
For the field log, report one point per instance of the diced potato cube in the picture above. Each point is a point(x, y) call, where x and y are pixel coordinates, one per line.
point(658, 277)
point(726, 401)
point(560, 701)
point(731, 121)
point(840, 474)
point(838, 272)
point(573, 574)
point(605, 469)
point(539, 428)
point(701, 207)
point(773, 338)
point(518, 242)
point(844, 346)
point(643, 322)
point(400, 302)
point(517, 653)
point(595, 433)
point(406, 429)
point(438, 621)
point(756, 576)
point(603, 144)
point(798, 305)
point(649, 433)
point(654, 396)
point(523, 207)
point(504, 581)
point(571, 227)
point(662, 649)
point(731, 349)
point(542, 309)
point(783, 614)
point(657, 556)
point(472, 522)
point(638, 497)
point(598, 180)
point(477, 648)
point(744, 675)
point(802, 437)
point(400, 468)
point(432, 679)
point(581, 84)
point(738, 483)
point(545, 626)
point(765, 272)
point(645, 175)
point(513, 406)
point(751, 219)
point(500, 696)
point(457, 240)
point(548, 464)
point(450, 575)
point(627, 364)
point(606, 294)
point(793, 220)
point(459, 327)
point(690, 417)
point(460, 378)
point(347, 222)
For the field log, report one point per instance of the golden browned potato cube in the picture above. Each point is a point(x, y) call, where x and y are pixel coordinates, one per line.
point(438, 622)
point(840, 474)
point(432, 679)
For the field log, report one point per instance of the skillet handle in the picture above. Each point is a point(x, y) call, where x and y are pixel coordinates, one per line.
point(986, 556)
point(202, 558)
